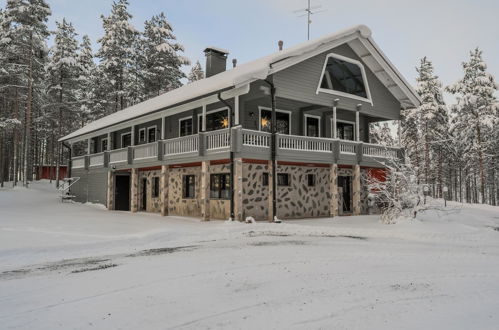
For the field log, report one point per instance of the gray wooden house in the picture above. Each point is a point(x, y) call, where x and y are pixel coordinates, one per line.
point(209, 149)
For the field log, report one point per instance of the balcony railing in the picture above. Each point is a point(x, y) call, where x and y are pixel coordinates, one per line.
point(256, 138)
point(303, 143)
point(96, 159)
point(218, 139)
point(145, 151)
point(249, 143)
point(181, 145)
point(118, 156)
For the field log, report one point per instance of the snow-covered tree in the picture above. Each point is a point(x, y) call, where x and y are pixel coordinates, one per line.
point(23, 42)
point(196, 73)
point(410, 137)
point(62, 82)
point(163, 57)
point(116, 53)
point(475, 116)
point(381, 133)
point(86, 82)
point(434, 122)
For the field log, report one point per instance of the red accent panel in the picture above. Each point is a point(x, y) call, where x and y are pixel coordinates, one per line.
point(302, 164)
point(48, 172)
point(219, 161)
point(152, 168)
point(345, 166)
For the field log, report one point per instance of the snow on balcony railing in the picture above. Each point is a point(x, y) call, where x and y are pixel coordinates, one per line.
point(374, 150)
point(144, 151)
point(348, 147)
point(78, 162)
point(305, 143)
point(118, 156)
point(181, 145)
point(256, 138)
point(96, 159)
point(218, 139)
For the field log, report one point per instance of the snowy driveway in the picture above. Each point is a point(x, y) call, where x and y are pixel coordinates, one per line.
point(74, 266)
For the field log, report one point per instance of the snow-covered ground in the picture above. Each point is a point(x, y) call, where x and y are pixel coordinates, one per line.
point(72, 266)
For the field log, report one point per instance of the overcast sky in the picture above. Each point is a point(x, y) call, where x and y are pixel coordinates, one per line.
point(442, 30)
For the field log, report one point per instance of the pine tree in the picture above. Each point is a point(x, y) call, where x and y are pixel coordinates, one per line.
point(163, 58)
point(116, 53)
point(381, 133)
point(410, 138)
point(474, 116)
point(87, 102)
point(196, 73)
point(62, 78)
point(24, 34)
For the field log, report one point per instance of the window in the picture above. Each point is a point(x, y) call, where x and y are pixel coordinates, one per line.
point(126, 140)
point(265, 179)
point(344, 76)
point(311, 180)
point(189, 186)
point(103, 144)
point(155, 187)
point(218, 119)
point(283, 179)
point(283, 121)
point(151, 134)
point(185, 125)
point(142, 135)
point(346, 131)
point(220, 186)
point(312, 125)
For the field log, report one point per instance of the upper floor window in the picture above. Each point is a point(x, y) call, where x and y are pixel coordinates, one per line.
point(126, 140)
point(151, 134)
point(344, 76)
point(216, 119)
point(283, 121)
point(142, 135)
point(185, 126)
point(103, 144)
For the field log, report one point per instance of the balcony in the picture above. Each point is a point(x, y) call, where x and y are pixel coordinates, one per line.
point(246, 144)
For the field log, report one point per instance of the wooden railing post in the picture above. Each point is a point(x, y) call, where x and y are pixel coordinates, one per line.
point(202, 143)
point(360, 152)
point(160, 150)
point(130, 155)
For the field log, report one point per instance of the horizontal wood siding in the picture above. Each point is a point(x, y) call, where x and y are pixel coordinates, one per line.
point(92, 186)
point(300, 82)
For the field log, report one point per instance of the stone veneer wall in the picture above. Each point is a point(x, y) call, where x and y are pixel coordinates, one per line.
point(298, 200)
point(219, 208)
point(178, 205)
point(153, 204)
point(255, 194)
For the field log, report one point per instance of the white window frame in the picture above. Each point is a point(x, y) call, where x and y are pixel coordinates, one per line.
point(180, 126)
point(260, 108)
point(305, 116)
point(200, 115)
point(155, 133)
point(122, 135)
point(145, 136)
point(338, 93)
point(101, 144)
point(345, 122)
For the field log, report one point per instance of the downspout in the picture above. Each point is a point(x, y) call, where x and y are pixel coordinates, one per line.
point(64, 144)
point(273, 147)
point(231, 166)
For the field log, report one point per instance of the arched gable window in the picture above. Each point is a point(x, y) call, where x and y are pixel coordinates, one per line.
point(345, 77)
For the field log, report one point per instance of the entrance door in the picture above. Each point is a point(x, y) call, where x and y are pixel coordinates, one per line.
point(122, 193)
point(345, 183)
point(144, 194)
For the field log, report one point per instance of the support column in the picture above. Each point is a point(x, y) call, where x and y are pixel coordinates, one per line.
point(205, 191)
point(356, 190)
point(335, 123)
point(271, 205)
point(238, 189)
point(109, 148)
point(165, 176)
point(110, 190)
point(134, 193)
point(333, 190)
point(203, 126)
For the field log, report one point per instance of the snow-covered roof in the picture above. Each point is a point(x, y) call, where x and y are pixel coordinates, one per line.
point(260, 69)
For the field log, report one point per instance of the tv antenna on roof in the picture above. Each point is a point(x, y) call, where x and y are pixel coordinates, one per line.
point(309, 11)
